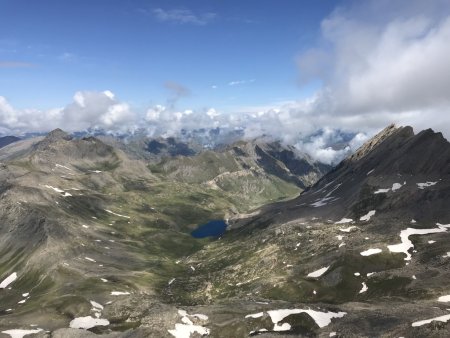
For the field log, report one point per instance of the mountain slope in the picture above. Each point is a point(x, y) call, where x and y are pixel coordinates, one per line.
point(344, 245)
point(249, 172)
point(387, 173)
point(82, 221)
point(360, 253)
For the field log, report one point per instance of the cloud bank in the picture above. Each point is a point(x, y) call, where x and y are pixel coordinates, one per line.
point(100, 110)
point(384, 61)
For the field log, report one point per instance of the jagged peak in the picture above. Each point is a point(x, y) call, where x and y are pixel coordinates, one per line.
point(426, 133)
point(371, 144)
point(58, 134)
point(52, 137)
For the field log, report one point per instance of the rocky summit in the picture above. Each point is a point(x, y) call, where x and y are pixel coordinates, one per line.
point(97, 239)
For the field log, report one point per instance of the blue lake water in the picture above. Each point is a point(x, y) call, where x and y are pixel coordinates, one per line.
point(211, 229)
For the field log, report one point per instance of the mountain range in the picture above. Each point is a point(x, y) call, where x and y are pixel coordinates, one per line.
point(5, 140)
point(95, 238)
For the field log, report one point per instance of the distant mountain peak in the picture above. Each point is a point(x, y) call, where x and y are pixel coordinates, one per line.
point(6, 140)
point(58, 134)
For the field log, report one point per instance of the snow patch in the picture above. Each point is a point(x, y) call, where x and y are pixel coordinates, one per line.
point(8, 280)
point(62, 166)
point(185, 330)
point(96, 305)
point(119, 293)
point(322, 319)
point(66, 194)
point(113, 213)
point(344, 220)
point(425, 185)
point(406, 244)
point(444, 299)
point(348, 229)
point(443, 319)
point(318, 273)
point(255, 315)
point(282, 327)
point(53, 188)
point(187, 327)
point(367, 216)
point(321, 202)
point(20, 333)
point(87, 322)
point(333, 190)
point(370, 252)
point(364, 288)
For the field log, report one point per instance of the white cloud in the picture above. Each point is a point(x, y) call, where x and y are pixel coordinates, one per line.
point(79, 99)
point(183, 16)
point(240, 82)
point(325, 145)
point(212, 113)
point(88, 110)
point(384, 62)
point(154, 113)
point(109, 94)
point(115, 115)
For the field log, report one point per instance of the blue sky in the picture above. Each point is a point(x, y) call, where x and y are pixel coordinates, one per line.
point(282, 68)
point(51, 49)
